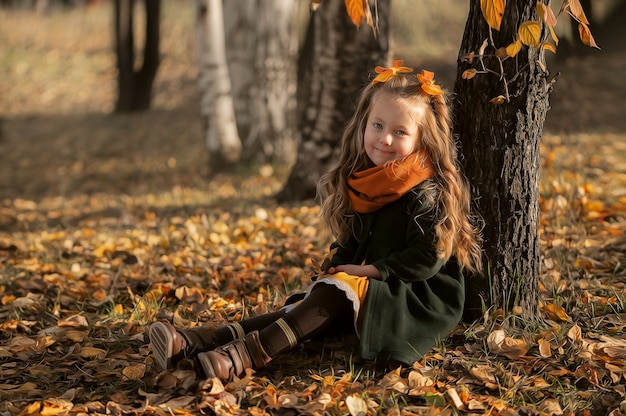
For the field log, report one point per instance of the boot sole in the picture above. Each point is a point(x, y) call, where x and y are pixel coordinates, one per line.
point(162, 345)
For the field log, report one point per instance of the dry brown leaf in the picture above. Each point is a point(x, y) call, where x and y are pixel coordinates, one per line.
point(556, 312)
point(575, 334)
point(135, 371)
point(545, 347)
point(356, 405)
point(483, 373)
point(500, 343)
point(74, 321)
point(551, 407)
point(92, 352)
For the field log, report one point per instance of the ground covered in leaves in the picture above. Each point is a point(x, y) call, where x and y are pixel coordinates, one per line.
point(108, 222)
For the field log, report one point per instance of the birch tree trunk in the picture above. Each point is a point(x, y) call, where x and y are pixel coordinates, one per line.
point(262, 48)
point(500, 145)
point(220, 129)
point(334, 62)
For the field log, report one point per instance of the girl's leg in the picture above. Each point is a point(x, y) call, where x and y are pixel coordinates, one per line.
point(324, 306)
point(170, 345)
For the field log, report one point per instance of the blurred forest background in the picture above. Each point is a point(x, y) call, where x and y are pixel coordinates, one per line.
point(58, 88)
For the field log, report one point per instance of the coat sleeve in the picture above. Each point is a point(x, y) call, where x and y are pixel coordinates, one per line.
point(343, 254)
point(419, 260)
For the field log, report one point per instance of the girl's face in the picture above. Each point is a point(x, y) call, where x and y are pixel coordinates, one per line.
point(391, 131)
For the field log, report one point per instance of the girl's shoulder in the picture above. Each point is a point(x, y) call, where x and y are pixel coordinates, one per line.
point(425, 195)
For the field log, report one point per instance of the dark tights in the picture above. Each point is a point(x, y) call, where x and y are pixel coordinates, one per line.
point(281, 330)
point(324, 306)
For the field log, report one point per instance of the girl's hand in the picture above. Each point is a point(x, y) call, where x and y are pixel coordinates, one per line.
point(367, 270)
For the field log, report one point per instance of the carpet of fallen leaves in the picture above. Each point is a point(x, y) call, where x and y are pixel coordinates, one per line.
point(108, 222)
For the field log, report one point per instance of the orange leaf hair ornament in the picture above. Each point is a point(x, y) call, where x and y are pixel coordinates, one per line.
point(427, 79)
point(385, 73)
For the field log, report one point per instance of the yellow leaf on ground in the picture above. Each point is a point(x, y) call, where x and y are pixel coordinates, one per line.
point(545, 349)
point(556, 312)
point(500, 343)
point(54, 407)
point(483, 373)
point(356, 405)
point(93, 352)
point(74, 321)
point(135, 371)
point(575, 333)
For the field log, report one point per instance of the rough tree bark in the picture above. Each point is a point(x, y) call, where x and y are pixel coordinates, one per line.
point(500, 148)
point(220, 129)
point(135, 86)
point(334, 58)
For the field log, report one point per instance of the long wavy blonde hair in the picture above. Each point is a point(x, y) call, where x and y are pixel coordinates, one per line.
point(457, 233)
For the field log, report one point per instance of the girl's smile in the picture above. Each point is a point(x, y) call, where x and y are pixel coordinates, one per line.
point(390, 132)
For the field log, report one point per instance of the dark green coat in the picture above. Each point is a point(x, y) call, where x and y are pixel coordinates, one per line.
point(418, 301)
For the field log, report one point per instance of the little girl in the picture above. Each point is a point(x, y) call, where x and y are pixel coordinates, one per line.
point(400, 211)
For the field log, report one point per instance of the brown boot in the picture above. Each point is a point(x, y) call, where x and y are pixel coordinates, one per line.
point(169, 345)
point(234, 358)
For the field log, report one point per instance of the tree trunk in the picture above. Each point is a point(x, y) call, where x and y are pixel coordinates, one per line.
point(500, 148)
point(262, 45)
point(220, 130)
point(135, 87)
point(334, 61)
point(124, 48)
point(144, 78)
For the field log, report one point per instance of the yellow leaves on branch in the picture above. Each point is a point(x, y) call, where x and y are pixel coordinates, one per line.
point(359, 10)
point(585, 36)
point(529, 33)
point(493, 10)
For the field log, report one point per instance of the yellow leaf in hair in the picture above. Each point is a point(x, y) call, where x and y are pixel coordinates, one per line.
point(426, 77)
point(432, 89)
point(385, 73)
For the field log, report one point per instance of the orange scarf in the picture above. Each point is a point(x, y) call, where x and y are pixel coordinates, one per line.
point(373, 188)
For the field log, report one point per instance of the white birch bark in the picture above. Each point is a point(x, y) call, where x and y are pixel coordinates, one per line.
point(222, 138)
point(262, 48)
